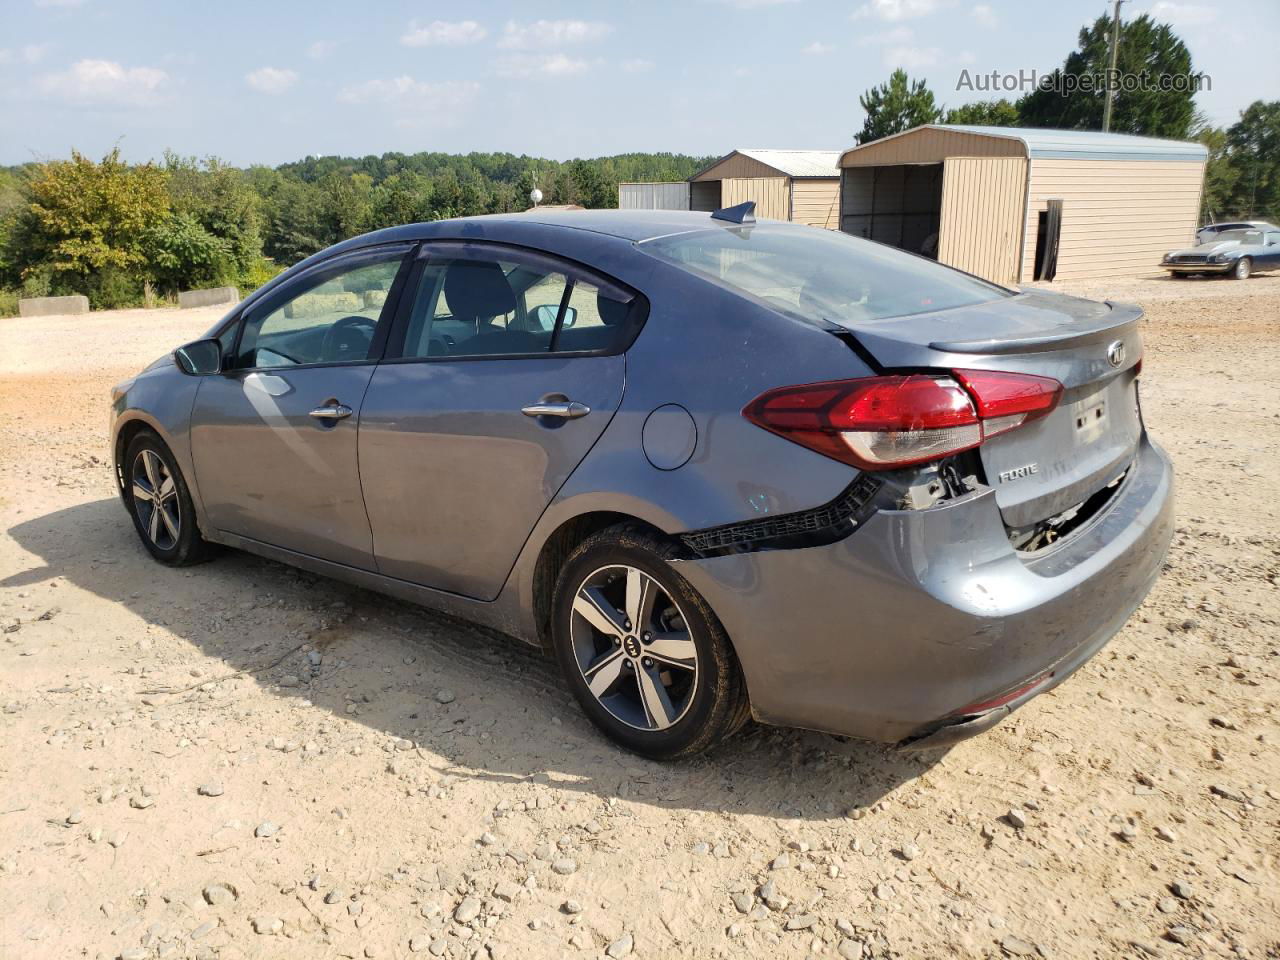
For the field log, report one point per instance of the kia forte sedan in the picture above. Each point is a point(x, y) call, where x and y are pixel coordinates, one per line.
point(718, 468)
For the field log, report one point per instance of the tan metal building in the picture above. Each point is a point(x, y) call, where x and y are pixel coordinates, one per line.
point(798, 185)
point(1016, 204)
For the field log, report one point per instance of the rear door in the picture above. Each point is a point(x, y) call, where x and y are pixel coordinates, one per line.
point(504, 367)
point(273, 437)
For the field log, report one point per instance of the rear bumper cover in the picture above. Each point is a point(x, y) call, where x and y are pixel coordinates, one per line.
point(888, 634)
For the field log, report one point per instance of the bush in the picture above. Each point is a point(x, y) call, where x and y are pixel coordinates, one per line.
point(114, 288)
point(260, 271)
point(8, 303)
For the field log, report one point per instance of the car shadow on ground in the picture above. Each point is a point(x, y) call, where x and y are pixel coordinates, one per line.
point(385, 662)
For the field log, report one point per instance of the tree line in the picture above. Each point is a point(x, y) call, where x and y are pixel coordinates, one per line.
point(1242, 178)
point(129, 234)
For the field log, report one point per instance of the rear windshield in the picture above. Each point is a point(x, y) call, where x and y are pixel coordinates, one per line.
point(823, 275)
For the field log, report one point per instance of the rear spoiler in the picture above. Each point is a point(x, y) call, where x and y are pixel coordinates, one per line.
point(1085, 332)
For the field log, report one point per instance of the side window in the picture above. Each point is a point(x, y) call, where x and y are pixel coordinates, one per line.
point(468, 307)
point(329, 318)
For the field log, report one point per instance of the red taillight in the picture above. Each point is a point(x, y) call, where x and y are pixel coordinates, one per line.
point(1008, 400)
point(881, 423)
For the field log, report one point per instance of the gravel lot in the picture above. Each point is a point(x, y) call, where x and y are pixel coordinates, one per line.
point(174, 782)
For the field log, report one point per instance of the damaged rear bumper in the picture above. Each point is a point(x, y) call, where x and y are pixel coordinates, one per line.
point(893, 632)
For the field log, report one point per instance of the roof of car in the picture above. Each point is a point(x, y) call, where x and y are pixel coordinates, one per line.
point(634, 225)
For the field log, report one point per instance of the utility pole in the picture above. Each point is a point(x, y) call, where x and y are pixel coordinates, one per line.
point(1115, 50)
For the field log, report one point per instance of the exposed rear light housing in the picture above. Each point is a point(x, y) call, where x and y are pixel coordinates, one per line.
point(887, 422)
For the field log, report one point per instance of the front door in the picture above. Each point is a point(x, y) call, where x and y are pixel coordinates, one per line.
point(274, 436)
point(500, 375)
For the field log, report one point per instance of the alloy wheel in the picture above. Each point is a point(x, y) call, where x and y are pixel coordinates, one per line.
point(1242, 268)
point(155, 498)
point(633, 647)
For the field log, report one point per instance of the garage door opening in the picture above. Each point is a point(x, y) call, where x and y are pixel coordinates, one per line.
point(899, 205)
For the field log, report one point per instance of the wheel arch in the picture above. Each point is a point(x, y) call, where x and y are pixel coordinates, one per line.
point(127, 428)
point(555, 550)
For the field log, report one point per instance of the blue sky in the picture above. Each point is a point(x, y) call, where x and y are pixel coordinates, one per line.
point(271, 81)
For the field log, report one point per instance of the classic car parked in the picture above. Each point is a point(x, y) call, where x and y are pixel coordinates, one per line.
point(1238, 253)
point(719, 468)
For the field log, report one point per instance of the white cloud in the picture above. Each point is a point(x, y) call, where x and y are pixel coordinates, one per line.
point(638, 65)
point(31, 53)
point(552, 33)
point(321, 49)
point(912, 58)
point(817, 48)
point(1184, 14)
point(983, 13)
point(443, 33)
point(550, 65)
point(272, 80)
point(895, 10)
point(413, 94)
point(105, 83)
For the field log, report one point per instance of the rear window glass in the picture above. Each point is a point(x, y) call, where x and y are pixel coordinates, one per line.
point(824, 275)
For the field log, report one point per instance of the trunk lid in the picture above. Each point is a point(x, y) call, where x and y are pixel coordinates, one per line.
point(1056, 462)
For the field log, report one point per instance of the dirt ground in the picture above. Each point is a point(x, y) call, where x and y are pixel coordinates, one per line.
point(404, 785)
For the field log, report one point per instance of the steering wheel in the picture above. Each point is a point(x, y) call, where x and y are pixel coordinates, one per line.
point(348, 339)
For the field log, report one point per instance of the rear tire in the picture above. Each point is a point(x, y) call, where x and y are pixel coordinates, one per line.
point(160, 503)
point(648, 661)
point(1244, 267)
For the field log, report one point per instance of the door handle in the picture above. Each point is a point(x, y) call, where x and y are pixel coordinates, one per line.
point(332, 411)
point(565, 409)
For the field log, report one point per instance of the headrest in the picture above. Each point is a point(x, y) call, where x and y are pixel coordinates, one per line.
point(612, 312)
point(477, 289)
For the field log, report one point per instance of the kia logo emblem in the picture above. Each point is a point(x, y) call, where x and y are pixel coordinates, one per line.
point(1115, 353)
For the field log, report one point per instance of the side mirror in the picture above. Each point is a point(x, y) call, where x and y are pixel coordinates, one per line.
point(200, 358)
point(545, 316)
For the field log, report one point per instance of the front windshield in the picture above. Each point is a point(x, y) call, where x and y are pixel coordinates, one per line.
point(823, 275)
point(1239, 236)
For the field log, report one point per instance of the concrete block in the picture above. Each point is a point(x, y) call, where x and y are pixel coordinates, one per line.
point(52, 306)
point(212, 297)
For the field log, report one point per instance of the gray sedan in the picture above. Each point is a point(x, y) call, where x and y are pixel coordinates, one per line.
point(720, 469)
point(1239, 253)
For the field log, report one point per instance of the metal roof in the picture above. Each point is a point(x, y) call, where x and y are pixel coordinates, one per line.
point(1075, 144)
point(793, 163)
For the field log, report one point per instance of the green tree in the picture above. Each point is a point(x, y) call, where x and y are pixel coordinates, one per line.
point(182, 254)
point(1253, 143)
point(1220, 175)
point(985, 113)
point(87, 225)
point(1147, 48)
point(220, 199)
point(895, 106)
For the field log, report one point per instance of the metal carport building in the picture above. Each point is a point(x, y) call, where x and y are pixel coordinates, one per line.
point(1016, 204)
point(798, 185)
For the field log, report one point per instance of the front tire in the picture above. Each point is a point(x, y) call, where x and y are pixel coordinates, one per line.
point(160, 503)
point(646, 658)
point(1244, 267)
